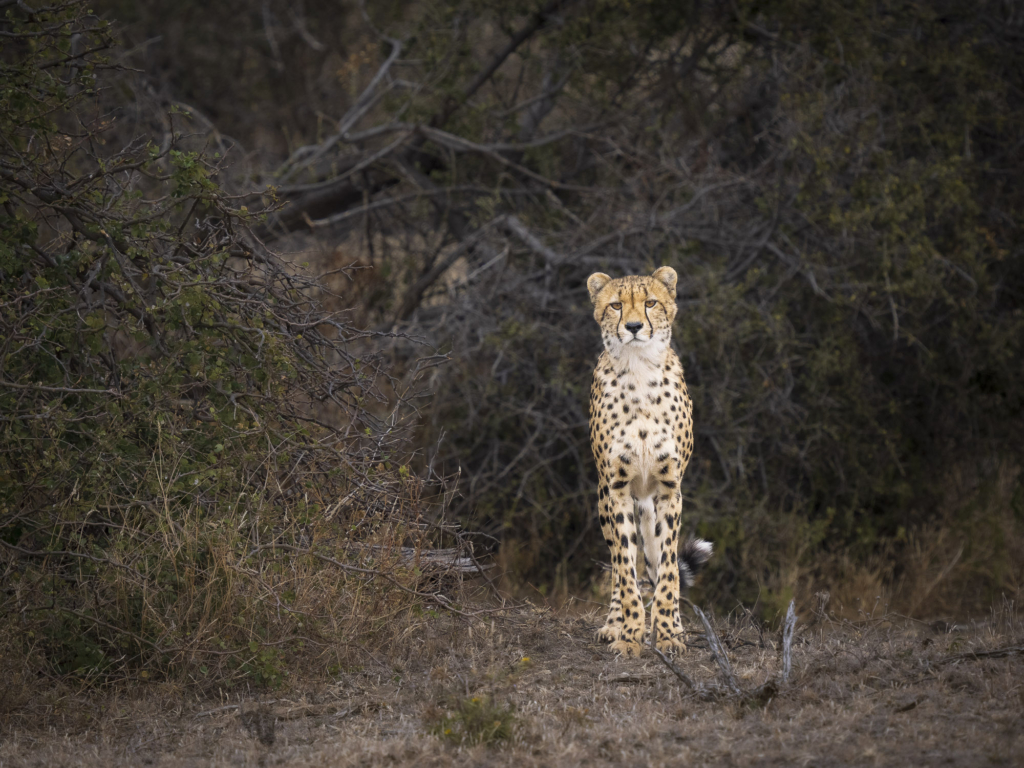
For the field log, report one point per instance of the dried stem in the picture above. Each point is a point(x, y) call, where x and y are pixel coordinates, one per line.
point(683, 677)
point(787, 641)
point(717, 650)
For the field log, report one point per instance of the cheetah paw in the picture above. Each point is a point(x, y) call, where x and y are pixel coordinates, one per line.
point(609, 633)
point(626, 648)
point(672, 644)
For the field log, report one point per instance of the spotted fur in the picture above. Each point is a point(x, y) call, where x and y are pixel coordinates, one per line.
point(641, 432)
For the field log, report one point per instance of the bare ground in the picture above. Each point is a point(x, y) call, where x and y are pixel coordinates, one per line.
point(539, 691)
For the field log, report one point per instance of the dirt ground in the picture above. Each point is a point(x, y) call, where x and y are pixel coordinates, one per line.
point(535, 689)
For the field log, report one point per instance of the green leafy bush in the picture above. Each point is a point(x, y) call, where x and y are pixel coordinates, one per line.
point(189, 443)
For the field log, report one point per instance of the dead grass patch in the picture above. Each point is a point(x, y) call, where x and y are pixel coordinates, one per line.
point(882, 691)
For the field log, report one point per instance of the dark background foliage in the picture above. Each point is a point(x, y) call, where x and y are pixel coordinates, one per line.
point(838, 185)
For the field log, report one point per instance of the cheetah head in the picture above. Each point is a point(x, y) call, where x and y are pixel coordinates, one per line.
point(635, 312)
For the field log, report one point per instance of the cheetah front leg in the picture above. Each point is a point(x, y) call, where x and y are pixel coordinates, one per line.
point(665, 611)
point(623, 523)
point(612, 628)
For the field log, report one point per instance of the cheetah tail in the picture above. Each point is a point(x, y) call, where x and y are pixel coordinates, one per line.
point(694, 554)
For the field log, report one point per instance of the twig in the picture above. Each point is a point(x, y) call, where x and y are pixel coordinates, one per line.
point(998, 653)
point(365, 101)
point(414, 293)
point(67, 390)
point(449, 560)
point(436, 598)
point(68, 553)
point(294, 713)
point(935, 582)
point(516, 227)
point(228, 708)
point(683, 677)
point(299, 22)
point(717, 649)
point(756, 625)
point(458, 143)
point(538, 21)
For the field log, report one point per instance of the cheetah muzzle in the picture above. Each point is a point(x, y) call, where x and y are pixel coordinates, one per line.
point(641, 432)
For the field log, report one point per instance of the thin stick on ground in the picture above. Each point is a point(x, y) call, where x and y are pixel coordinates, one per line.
point(717, 649)
point(685, 678)
point(998, 653)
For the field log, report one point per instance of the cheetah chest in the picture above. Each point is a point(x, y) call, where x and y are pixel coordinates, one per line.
point(646, 411)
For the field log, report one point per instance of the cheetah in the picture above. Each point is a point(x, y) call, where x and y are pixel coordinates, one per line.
point(641, 432)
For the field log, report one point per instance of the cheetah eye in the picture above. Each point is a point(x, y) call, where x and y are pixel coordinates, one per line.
point(650, 303)
point(617, 305)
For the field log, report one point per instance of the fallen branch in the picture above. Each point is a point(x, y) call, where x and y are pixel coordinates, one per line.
point(372, 573)
point(760, 695)
point(451, 559)
point(292, 712)
point(683, 677)
point(998, 653)
point(717, 649)
point(626, 678)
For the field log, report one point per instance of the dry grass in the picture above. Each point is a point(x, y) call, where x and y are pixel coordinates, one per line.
point(881, 691)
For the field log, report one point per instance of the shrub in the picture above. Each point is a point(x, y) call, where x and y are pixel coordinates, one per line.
point(472, 721)
point(190, 445)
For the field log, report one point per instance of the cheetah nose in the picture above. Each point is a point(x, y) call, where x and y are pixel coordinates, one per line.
point(634, 327)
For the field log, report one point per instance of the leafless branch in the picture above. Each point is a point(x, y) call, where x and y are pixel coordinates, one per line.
point(787, 641)
point(683, 677)
point(717, 650)
point(516, 227)
point(309, 155)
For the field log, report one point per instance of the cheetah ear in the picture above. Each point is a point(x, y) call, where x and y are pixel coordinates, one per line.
point(596, 282)
point(667, 276)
